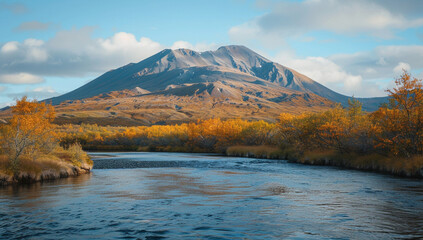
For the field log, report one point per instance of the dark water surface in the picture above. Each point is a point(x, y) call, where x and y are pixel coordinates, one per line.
point(194, 196)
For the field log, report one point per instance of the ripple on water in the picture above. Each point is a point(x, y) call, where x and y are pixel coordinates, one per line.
point(195, 196)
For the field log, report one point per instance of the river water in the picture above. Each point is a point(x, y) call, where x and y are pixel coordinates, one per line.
point(198, 196)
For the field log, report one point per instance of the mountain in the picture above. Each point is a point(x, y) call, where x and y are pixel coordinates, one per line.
point(181, 85)
point(183, 66)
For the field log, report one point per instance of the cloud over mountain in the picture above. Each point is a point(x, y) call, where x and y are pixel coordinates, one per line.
point(20, 78)
point(74, 53)
point(37, 93)
point(381, 62)
point(284, 19)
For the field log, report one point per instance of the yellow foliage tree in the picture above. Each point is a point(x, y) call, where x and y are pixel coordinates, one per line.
point(401, 121)
point(28, 131)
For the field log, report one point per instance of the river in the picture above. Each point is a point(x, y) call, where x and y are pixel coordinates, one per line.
point(199, 196)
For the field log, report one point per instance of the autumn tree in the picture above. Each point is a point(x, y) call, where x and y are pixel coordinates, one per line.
point(258, 133)
point(202, 133)
point(401, 121)
point(299, 131)
point(341, 129)
point(346, 130)
point(28, 131)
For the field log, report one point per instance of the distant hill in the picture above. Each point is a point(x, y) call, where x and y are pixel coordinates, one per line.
point(182, 85)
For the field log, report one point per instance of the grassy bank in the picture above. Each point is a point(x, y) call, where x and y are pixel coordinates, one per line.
point(406, 167)
point(60, 163)
point(30, 150)
point(269, 152)
point(134, 148)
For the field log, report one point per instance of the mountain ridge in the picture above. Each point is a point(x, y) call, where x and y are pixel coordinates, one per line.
point(184, 66)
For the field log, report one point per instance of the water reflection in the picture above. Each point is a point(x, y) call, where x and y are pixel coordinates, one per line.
point(215, 197)
point(38, 189)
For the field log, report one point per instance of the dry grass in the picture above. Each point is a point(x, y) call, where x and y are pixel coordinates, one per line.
point(44, 167)
point(5, 165)
point(263, 151)
point(173, 149)
point(114, 148)
point(74, 155)
point(59, 163)
point(318, 157)
point(410, 167)
point(400, 166)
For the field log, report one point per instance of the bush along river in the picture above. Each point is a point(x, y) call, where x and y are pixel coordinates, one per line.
point(199, 196)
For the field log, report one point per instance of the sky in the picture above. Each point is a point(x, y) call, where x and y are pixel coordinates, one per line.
point(357, 48)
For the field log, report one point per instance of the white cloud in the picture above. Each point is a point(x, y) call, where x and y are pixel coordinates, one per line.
point(74, 53)
point(48, 90)
point(400, 67)
point(381, 62)
point(197, 47)
point(363, 74)
point(182, 44)
point(38, 93)
point(35, 54)
point(126, 42)
point(123, 48)
point(31, 42)
point(331, 75)
point(9, 47)
point(15, 53)
point(251, 32)
point(20, 78)
point(286, 19)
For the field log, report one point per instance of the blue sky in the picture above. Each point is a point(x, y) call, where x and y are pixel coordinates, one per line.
point(48, 47)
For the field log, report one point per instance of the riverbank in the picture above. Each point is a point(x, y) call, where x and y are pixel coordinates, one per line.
point(25, 177)
point(58, 164)
point(405, 167)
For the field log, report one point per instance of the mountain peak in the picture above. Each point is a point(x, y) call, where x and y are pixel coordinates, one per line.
point(185, 51)
point(234, 47)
